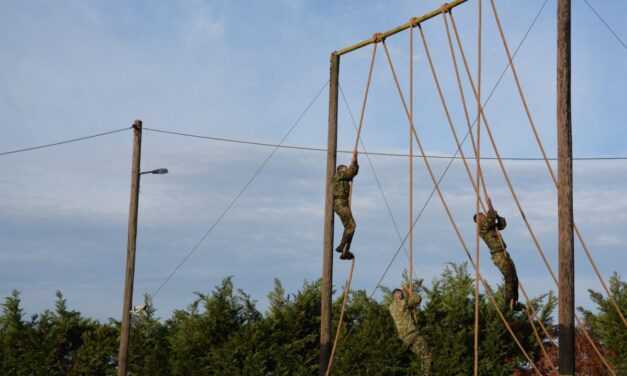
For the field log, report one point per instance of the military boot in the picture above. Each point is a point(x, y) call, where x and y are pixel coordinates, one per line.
point(347, 255)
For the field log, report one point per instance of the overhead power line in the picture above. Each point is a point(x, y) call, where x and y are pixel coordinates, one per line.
point(283, 146)
point(381, 154)
point(59, 143)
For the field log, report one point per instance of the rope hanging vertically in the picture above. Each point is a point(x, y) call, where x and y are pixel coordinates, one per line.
point(548, 164)
point(350, 274)
point(411, 161)
point(478, 161)
point(347, 288)
point(447, 168)
point(530, 312)
point(365, 100)
point(513, 192)
point(449, 214)
point(363, 112)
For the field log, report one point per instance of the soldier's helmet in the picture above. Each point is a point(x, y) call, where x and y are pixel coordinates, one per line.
point(399, 291)
point(341, 168)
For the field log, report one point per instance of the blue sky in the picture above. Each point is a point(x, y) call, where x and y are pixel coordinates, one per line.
point(246, 70)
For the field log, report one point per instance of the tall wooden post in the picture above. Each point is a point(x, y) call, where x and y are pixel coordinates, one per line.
point(565, 194)
point(130, 249)
point(326, 294)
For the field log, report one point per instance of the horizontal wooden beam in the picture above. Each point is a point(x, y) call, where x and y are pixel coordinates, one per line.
point(415, 21)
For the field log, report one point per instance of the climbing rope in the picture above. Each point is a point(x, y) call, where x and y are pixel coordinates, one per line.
point(480, 203)
point(489, 292)
point(511, 188)
point(548, 164)
point(448, 166)
point(365, 101)
point(357, 139)
point(347, 288)
point(362, 114)
point(377, 180)
point(478, 161)
point(411, 160)
point(480, 178)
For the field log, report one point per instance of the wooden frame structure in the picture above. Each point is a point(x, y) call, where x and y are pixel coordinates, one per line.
point(326, 293)
point(565, 198)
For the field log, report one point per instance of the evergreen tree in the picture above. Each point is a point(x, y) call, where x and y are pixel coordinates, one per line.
point(205, 326)
point(607, 326)
point(149, 347)
point(223, 333)
point(14, 334)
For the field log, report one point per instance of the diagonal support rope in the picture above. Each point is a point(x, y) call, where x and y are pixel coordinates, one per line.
point(511, 188)
point(548, 164)
point(531, 313)
point(487, 288)
point(455, 154)
point(480, 203)
point(607, 25)
point(233, 201)
point(450, 161)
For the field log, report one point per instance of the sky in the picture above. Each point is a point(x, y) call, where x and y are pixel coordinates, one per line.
point(248, 70)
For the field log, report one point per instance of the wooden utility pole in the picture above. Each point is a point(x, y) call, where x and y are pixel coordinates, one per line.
point(130, 249)
point(565, 194)
point(326, 294)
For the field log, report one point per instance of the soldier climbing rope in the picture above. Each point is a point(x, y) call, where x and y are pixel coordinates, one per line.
point(489, 223)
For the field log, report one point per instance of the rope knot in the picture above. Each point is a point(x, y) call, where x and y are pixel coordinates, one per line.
point(378, 37)
point(445, 8)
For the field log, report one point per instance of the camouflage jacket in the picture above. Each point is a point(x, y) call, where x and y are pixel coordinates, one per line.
point(404, 315)
point(489, 226)
point(341, 181)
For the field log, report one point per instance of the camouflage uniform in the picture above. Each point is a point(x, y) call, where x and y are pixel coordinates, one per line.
point(341, 196)
point(489, 226)
point(403, 313)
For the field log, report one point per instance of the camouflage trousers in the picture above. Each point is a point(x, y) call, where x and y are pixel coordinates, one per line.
point(504, 262)
point(420, 348)
point(343, 210)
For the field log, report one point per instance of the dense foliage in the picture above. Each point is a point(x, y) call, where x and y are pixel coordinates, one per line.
point(223, 333)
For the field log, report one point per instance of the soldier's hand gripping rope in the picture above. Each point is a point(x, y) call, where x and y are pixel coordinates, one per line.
point(490, 224)
point(342, 180)
point(403, 308)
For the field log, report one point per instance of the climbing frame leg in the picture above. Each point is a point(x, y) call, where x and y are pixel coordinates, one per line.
point(326, 304)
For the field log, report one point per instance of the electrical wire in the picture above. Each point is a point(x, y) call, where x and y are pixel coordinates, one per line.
point(373, 153)
point(71, 140)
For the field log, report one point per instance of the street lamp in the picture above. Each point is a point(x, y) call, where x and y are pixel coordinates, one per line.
point(159, 171)
point(131, 245)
